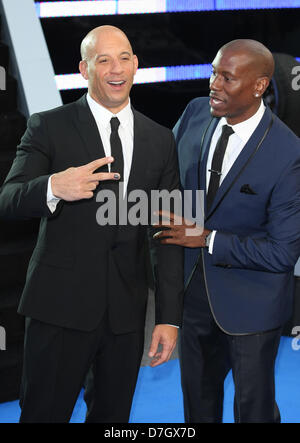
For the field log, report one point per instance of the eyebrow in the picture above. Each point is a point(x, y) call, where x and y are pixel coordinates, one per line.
point(108, 55)
point(228, 73)
point(225, 72)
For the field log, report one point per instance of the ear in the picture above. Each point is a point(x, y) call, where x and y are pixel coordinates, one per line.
point(261, 85)
point(136, 63)
point(83, 68)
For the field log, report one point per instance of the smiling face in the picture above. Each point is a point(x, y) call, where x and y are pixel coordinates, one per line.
point(235, 85)
point(109, 66)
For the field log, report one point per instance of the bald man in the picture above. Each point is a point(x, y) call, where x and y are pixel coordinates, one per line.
point(86, 288)
point(239, 268)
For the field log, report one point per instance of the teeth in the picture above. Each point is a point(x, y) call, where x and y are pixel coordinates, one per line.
point(116, 83)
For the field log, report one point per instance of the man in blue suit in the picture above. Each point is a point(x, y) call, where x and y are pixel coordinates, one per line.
point(239, 269)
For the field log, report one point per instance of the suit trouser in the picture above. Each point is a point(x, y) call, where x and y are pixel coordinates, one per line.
point(207, 355)
point(57, 361)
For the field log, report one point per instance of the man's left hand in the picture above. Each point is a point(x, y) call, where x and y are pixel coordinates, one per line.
point(166, 336)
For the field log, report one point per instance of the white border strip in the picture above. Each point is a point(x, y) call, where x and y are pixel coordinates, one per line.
point(76, 81)
point(76, 8)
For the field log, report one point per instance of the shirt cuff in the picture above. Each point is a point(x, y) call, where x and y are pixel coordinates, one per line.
point(52, 201)
point(211, 243)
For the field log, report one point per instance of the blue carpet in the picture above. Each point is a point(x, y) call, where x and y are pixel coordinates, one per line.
point(158, 397)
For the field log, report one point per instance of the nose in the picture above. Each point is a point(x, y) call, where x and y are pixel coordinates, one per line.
point(215, 82)
point(116, 66)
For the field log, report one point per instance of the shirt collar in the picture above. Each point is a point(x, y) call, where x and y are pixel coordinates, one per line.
point(103, 115)
point(245, 129)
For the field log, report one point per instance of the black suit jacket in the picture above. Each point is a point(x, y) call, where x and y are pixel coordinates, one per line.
point(79, 269)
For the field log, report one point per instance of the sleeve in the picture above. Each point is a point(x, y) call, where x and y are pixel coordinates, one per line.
point(24, 192)
point(279, 249)
point(167, 260)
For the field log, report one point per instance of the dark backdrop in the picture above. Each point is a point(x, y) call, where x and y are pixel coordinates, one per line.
point(173, 39)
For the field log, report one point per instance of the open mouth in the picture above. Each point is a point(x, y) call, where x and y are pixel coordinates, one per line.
point(215, 101)
point(116, 84)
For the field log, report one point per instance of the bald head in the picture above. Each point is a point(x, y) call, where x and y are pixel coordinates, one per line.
point(109, 65)
point(259, 57)
point(88, 44)
point(242, 70)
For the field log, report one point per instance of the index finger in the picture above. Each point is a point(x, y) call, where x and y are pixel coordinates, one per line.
point(170, 216)
point(95, 164)
point(162, 356)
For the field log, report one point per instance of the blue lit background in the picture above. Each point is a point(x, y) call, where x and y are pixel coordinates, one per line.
point(172, 73)
point(194, 5)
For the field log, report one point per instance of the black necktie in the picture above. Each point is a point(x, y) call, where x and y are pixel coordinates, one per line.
point(216, 164)
point(116, 148)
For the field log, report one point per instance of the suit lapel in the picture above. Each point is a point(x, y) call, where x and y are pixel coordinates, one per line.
point(204, 154)
point(88, 131)
point(241, 159)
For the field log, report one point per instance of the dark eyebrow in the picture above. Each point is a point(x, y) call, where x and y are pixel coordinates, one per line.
point(227, 73)
point(107, 55)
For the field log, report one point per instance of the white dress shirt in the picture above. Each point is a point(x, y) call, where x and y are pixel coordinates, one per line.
point(102, 117)
point(125, 116)
point(236, 142)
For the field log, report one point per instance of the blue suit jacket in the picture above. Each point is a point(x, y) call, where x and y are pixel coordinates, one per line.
point(249, 276)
